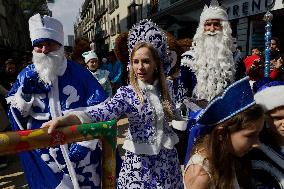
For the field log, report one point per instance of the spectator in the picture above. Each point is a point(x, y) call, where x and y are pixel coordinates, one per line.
point(255, 51)
point(115, 68)
point(9, 75)
point(268, 158)
point(274, 47)
point(81, 45)
point(91, 59)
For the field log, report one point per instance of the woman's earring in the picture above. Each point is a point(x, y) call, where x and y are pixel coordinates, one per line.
point(220, 137)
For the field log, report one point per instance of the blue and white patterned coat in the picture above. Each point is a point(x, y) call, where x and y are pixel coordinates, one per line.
point(149, 138)
point(46, 168)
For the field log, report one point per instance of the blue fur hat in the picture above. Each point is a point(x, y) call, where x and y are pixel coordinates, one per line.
point(236, 98)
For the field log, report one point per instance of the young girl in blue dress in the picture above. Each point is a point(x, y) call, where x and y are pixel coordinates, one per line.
point(151, 159)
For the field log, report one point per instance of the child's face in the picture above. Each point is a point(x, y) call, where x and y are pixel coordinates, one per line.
point(276, 121)
point(244, 140)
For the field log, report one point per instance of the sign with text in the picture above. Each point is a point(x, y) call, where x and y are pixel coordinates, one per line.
point(244, 8)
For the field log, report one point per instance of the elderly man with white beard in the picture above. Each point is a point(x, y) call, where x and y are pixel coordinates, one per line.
point(208, 68)
point(48, 88)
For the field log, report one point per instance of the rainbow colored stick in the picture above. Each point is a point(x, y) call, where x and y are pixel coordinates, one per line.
point(24, 140)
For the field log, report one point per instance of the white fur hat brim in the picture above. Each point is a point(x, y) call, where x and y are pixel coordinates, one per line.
point(213, 13)
point(45, 28)
point(270, 97)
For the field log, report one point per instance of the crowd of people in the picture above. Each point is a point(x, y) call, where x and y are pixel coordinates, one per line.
point(207, 108)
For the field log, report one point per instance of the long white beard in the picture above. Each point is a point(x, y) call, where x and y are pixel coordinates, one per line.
point(49, 65)
point(214, 67)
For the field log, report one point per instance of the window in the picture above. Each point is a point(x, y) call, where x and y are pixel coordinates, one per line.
point(118, 24)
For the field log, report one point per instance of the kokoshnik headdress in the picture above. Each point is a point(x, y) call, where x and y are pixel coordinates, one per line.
point(147, 31)
point(235, 99)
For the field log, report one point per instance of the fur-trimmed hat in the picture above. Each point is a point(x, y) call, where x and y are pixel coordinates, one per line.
point(270, 95)
point(89, 55)
point(214, 11)
point(45, 28)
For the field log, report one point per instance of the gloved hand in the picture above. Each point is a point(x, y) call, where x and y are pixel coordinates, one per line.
point(31, 83)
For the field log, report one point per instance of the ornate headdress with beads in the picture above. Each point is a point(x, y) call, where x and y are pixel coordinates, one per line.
point(147, 31)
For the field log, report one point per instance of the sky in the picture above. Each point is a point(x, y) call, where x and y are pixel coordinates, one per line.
point(66, 11)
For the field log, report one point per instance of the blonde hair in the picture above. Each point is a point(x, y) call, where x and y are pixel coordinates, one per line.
point(162, 85)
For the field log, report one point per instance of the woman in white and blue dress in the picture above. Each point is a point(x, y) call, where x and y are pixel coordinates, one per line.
point(92, 62)
point(151, 159)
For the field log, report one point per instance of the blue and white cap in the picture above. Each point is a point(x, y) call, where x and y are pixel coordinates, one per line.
point(89, 55)
point(45, 28)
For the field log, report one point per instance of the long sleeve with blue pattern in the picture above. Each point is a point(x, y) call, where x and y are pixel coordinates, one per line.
point(112, 109)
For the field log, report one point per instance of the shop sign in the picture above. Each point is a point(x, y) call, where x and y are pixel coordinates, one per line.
point(243, 8)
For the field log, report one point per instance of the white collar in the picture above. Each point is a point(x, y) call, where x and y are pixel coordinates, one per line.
point(146, 86)
point(63, 67)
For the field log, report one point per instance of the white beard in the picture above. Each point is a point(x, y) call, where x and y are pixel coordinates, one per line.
point(214, 67)
point(49, 66)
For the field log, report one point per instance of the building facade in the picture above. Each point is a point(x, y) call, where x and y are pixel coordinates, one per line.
point(102, 21)
point(14, 34)
point(181, 17)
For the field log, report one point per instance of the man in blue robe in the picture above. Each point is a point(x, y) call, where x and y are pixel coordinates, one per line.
point(48, 88)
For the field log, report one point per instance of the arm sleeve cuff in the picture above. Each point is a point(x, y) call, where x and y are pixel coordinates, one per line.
point(179, 125)
point(82, 116)
point(21, 102)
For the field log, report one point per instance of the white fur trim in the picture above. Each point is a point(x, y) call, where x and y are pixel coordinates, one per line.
point(179, 125)
point(46, 27)
point(188, 58)
point(162, 140)
point(63, 67)
point(55, 111)
point(19, 103)
point(165, 141)
point(213, 12)
point(270, 97)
